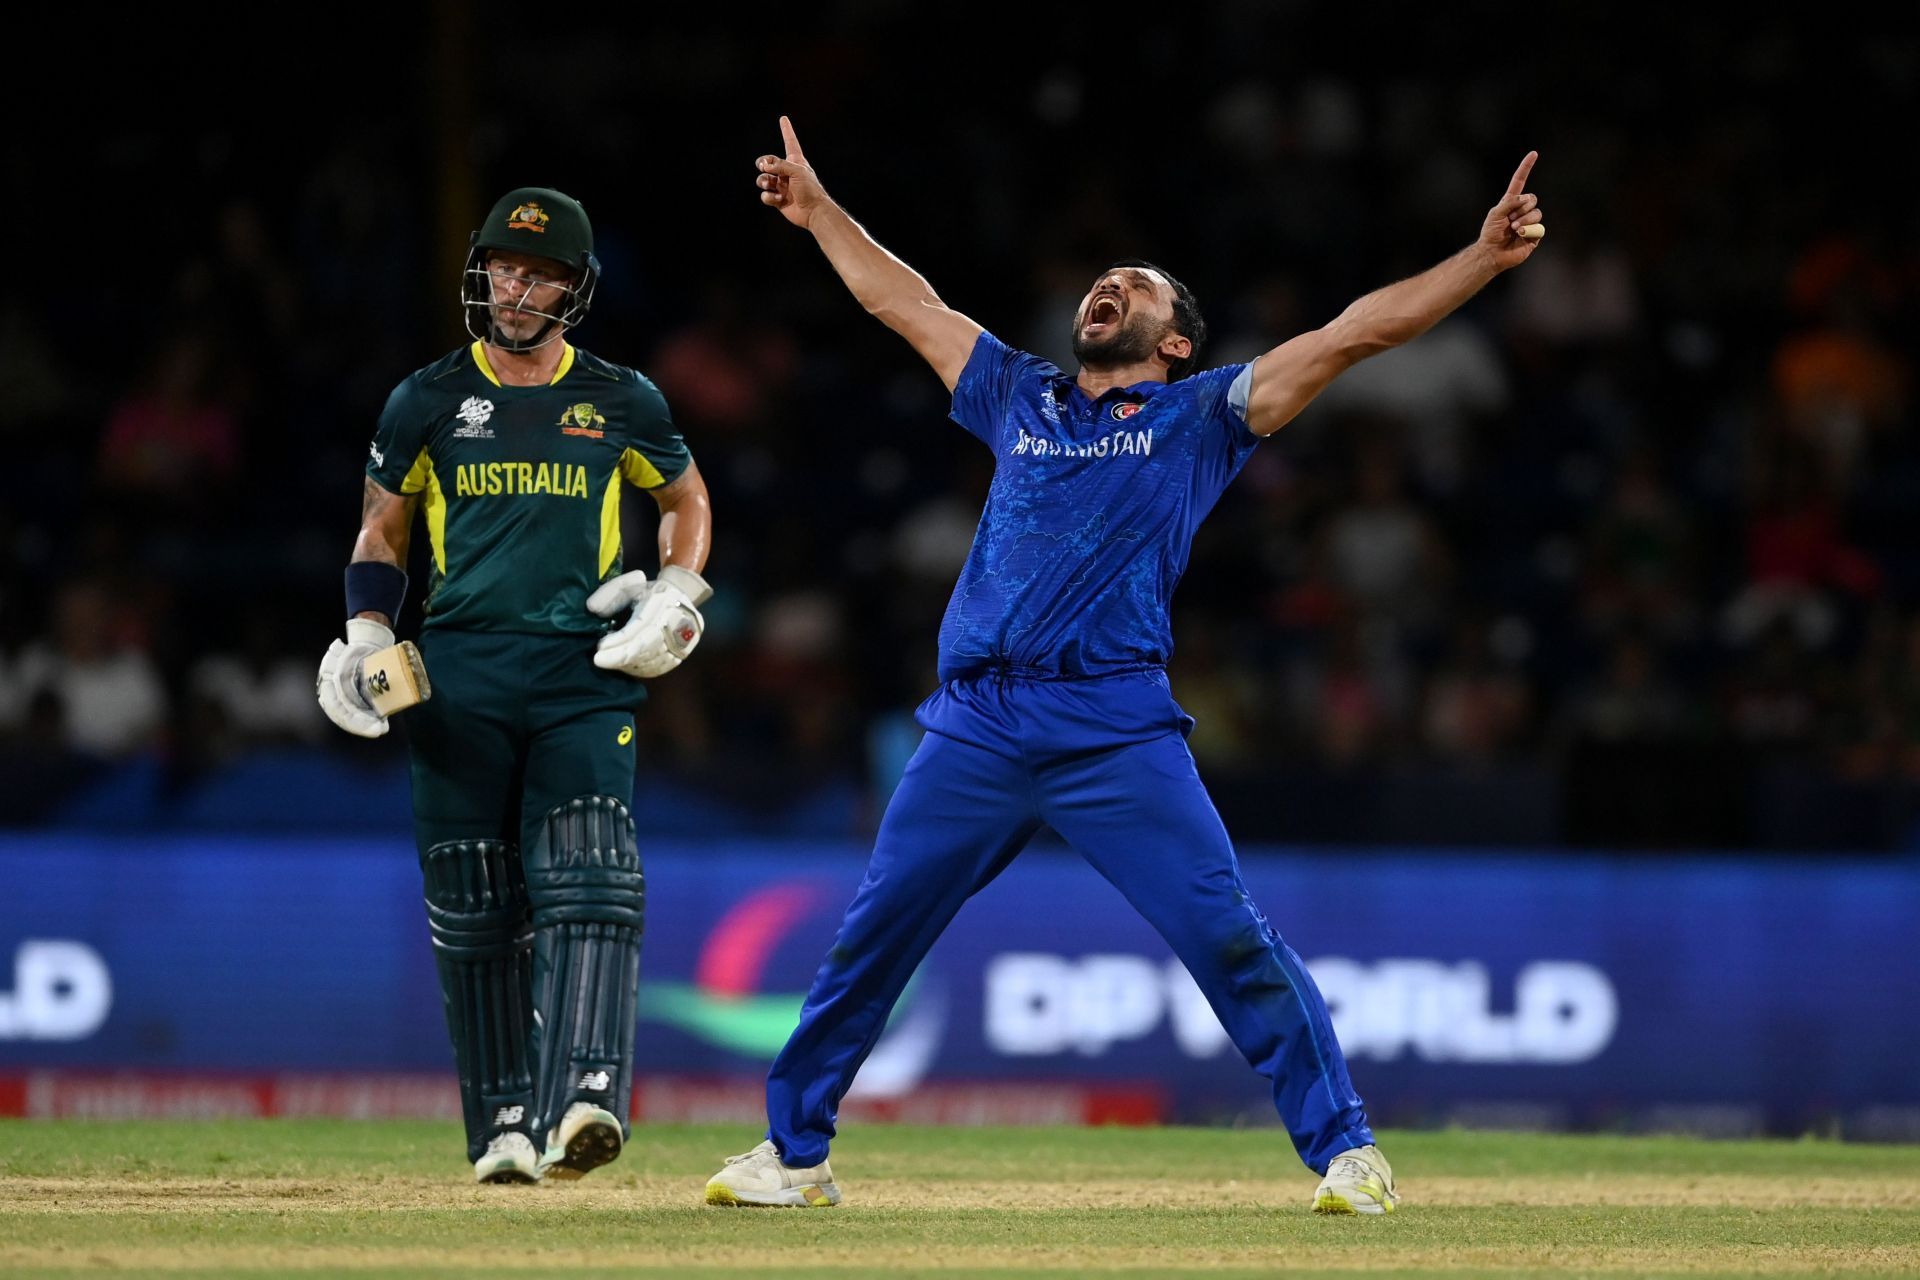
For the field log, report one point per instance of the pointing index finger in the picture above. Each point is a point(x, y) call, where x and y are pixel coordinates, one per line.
point(1519, 182)
point(793, 142)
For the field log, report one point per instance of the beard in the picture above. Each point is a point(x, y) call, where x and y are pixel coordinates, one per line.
point(1132, 343)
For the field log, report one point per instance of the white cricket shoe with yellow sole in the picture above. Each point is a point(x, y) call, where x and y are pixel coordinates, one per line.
point(759, 1178)
point(586, 1138)
point(1358, 1181)
point(509, 1158)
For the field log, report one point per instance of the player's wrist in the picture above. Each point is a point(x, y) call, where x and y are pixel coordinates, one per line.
point(1486, 261)
point(374, 586)
point(822, 213)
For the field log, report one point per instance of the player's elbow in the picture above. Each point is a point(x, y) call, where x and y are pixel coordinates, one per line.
point(1318, 357)
point(1353, 339)
point(903, 313)
point(689, 502)
point(376, 543)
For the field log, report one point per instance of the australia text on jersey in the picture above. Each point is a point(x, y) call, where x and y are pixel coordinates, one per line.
point(1108, 446)
point(473, 479)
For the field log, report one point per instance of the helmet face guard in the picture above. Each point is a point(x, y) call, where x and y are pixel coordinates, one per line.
point(542, 223)
point(477, 302)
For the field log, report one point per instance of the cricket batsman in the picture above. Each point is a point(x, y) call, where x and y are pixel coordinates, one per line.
point(519, 698)
point(1054, 708)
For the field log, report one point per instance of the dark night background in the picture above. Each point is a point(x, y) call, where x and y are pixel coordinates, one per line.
point(1621, 555)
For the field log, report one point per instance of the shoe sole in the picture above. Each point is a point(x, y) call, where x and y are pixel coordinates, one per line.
point(822, 1195)
point(595, 1143)
point(1336, 1204)
point(510, 1176)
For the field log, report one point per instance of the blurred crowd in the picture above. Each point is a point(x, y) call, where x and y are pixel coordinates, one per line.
point(1638, 516)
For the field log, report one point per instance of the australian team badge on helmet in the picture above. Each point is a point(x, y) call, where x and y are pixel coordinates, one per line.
point(547, 224)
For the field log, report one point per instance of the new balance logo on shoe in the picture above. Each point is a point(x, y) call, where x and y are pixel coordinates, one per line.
point(595, 1081)
point(509, 1115)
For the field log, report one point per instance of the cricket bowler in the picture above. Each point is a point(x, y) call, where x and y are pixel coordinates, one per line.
point(1054, 708)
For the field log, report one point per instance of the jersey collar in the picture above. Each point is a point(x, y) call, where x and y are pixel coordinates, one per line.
point(480, 359)
point(1066, 388)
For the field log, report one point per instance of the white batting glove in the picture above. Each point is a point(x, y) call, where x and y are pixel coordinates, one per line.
point(339, 687)
point(665, 626)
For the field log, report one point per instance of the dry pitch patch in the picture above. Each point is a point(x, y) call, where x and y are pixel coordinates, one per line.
point(67, 1196)
point(327, 1198)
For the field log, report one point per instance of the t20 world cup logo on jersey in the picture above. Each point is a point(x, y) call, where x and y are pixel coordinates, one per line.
point(473, 414)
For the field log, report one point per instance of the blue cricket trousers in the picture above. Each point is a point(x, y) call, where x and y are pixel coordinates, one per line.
point(1104, 762)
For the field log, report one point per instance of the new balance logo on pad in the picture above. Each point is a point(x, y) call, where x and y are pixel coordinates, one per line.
point(509, 1115)
point(595, 1081)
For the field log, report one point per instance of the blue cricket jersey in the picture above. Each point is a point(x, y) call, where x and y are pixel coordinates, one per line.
point(1091, 514)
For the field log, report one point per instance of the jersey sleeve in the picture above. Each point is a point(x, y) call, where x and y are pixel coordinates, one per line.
point(656, 453)
point(1225, 440)
point(987, 384)
point(395, 459)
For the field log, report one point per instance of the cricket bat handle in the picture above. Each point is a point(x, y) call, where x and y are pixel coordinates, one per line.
point(395, 678)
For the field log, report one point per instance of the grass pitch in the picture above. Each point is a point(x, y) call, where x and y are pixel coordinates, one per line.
point(314, 1198)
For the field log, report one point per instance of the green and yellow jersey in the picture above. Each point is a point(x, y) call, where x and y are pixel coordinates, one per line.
point(521, 485)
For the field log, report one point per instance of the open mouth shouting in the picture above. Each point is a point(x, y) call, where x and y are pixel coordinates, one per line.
point(1104, 315)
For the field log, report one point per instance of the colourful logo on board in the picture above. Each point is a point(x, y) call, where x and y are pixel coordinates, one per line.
point(727, 1005)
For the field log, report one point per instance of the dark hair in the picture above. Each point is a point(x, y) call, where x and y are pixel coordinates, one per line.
point(1187, 320)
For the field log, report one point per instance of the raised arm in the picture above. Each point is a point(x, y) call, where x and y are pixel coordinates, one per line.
point(887, 287)
point(1286, 379)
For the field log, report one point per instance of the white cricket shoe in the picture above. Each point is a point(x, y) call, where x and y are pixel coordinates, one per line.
point(1358, 1181)
point(510, 1157)
point(586, 1138)
point(759, 1178)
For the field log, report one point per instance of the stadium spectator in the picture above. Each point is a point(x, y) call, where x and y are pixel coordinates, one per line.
point(107, 687)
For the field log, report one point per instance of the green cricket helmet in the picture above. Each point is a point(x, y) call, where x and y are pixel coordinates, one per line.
point(547, 224)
